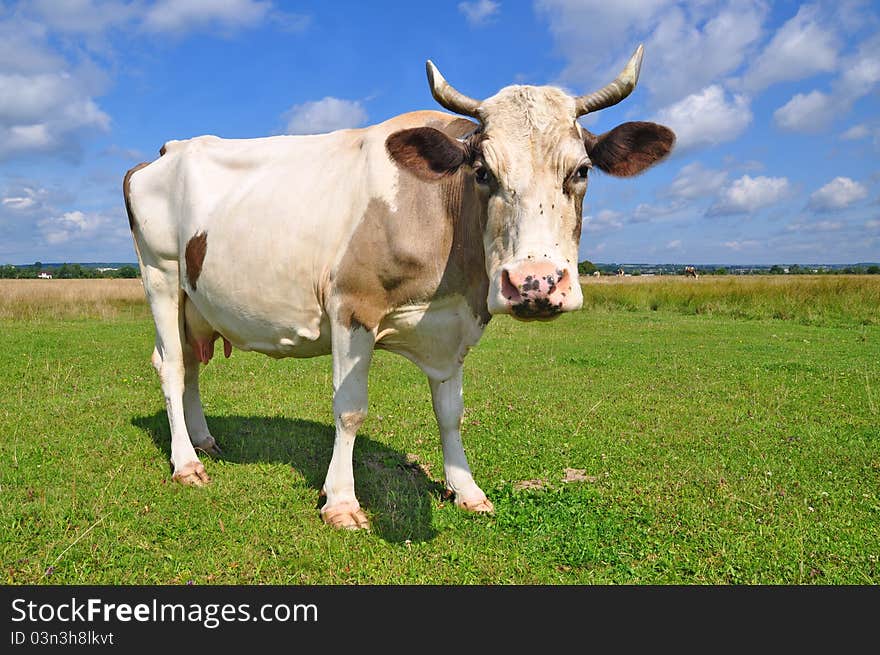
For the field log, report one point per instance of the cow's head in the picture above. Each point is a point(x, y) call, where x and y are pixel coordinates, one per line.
point(529, 160)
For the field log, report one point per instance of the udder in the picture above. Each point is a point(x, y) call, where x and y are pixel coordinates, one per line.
point(201, 335)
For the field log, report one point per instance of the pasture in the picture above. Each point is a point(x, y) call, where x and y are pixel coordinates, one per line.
point(720, 431)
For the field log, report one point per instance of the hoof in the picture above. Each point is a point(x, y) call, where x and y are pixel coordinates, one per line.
point(348, 516)
point(477, 505)
point(192, 474)
point(210, 446)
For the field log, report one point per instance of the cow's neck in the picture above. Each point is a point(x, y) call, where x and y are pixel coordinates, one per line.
point(465, 270)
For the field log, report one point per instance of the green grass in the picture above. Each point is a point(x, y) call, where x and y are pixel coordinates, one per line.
point(808, 299)
point(715, 449)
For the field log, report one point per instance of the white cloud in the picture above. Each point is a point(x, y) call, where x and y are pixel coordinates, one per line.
point(82, 16)
point(592, 55)
point(873, 224)
point(738, 246)
point(861, 72)
point(815, 226)
point(606, 220)
point(598, 249)
point(49, 86)
point(46, 105)
point(18, 202)
point(802, 47)
point(856, 132)
point(688, 45)
point(129, 154)
point(644, 212)
point(25, 199)
point(675, 244)
point(812, 111)
point(696, 181)
point(62, 228)
point(706, 118)
point(805, 112)
point(185, 15)
point(325, 115)
point(479, 12)
point(78, 226)
point(748, 194)
point(687, 55)
point(839, 193)
point(290, 23)
point(24, 48)
point(57, 133)
point(96, 17)
point(26, 98)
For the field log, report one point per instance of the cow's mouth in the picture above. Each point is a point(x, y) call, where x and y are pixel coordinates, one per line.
point(536, 309)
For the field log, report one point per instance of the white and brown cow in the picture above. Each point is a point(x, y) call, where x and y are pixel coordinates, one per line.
point(407, 235)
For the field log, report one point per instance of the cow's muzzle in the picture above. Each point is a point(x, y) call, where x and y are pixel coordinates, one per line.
point(535, 290)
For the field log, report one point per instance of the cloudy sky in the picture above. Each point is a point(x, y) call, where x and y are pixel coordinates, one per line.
point(775, 105)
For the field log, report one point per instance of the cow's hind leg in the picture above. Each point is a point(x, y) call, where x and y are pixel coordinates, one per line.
point(198, 333)
point(446, 396)
point(165, 297)
point(352, 353)
point(192, 406)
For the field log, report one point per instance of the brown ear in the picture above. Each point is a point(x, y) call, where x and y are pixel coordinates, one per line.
point(426, 152)
point(629, 148)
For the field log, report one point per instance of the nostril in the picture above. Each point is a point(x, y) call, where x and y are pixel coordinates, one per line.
point(508, 289)
point(563, 284)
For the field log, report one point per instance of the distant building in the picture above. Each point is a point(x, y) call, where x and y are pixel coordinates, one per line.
point(45, 275)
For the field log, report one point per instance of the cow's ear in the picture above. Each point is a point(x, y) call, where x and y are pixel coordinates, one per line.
point(426, 153)
point(629, 148)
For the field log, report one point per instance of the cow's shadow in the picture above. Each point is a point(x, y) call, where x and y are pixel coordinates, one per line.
point(394, 491)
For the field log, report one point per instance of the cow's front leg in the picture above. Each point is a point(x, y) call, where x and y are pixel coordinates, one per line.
point(352, 353)
point(448, 408)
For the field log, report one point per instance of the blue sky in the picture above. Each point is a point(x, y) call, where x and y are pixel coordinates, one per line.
point(775, 105)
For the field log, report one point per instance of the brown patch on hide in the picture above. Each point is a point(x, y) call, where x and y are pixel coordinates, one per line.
point(196, 248)
point(579, 218)
point(429, 246)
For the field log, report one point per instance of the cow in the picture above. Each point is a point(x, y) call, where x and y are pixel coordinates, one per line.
point(690, 271)
point(408, 236)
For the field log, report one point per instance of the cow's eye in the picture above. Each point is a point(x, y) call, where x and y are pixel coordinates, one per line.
point(482, 175)
point(582, 172)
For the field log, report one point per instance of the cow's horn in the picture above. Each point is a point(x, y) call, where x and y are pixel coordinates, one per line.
point(446, 95)
point(616, 91)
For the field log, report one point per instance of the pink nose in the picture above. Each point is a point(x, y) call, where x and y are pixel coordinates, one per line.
point(535, 289)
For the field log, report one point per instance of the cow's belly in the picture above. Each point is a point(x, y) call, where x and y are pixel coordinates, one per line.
point(278, 325)
point(435, 336)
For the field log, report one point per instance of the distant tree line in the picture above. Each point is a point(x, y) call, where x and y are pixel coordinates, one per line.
point(587, 267)
point(795, 269)
point(66, 271)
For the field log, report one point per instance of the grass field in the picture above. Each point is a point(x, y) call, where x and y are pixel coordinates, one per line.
point(722, 431)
